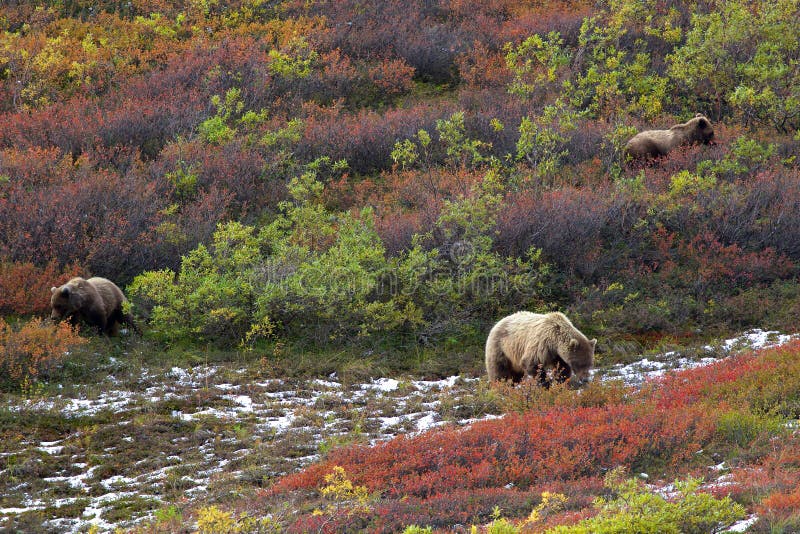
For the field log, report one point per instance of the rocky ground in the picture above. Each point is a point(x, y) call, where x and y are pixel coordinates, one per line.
point(121, 451)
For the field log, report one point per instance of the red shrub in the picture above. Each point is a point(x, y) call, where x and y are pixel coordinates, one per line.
point(253, 182)
point(392, 76)
point(782, 505)
point(774, 482)
point(365, 139)
point(570, 225)
point(25, 288)
point(530, 452)
point(112, 225)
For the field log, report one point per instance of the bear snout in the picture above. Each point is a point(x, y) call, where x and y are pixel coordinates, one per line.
point(580, 378)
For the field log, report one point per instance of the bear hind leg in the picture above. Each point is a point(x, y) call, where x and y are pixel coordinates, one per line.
point(120, 318)
point(503, 370)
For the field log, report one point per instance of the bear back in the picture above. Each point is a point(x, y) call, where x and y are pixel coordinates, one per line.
point(654, 143)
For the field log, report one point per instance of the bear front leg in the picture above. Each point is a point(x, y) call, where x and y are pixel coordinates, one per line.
point(96, 318)
point(541, 377)
point(539, 372)
point(562, 371)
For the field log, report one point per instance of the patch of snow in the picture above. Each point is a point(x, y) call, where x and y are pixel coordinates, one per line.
point(51, 447)
point(211, 412)
point(382, 384)
point(485, 417)
point(668, 491)
point(426, 385)
point(757, 339)
point(17, 511)
point(196, 378)
point(388, 422)
point(77, 481)
point(280, 394)
point(115, 481)
point(244, 401)
point(112, 400)
point(743, 525)
point(427, 422)
point(722, 482)
point(325, 383)
point(281, 424)
point(638, 372)
point(92, 513)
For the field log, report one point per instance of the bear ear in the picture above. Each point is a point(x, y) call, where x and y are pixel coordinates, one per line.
point(573, 343)
point(53, 289)
point(593, 342)
point(698, 115)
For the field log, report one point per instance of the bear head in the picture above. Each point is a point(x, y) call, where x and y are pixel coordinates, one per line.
point(65, 300)
point(579, 354)
point(700, 129)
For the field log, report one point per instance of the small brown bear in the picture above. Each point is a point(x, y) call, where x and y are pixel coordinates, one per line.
point(654, 143)
point(97, 301)
point(531, 344)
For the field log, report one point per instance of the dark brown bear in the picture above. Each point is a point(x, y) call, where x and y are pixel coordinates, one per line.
point(97, 301)
point(534, 344)
point(654, 143)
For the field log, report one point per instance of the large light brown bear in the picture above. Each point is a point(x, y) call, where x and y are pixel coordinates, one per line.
point(97, 301)
point(654, 143)
point(534, 344)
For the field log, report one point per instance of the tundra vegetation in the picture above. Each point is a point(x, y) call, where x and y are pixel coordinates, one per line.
point(300, 188)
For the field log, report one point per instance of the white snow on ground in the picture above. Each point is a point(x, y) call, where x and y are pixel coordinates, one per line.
point(636, 373)
point(427, 422)
point(382, 384)
point(195, 377)
point(280, 407)
point(244, 401)
point(641, 370)
point(51, 447)
point(743, 525)
point(758, 339)
point(449, 382)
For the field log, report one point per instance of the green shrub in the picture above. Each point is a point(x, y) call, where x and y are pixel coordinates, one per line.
point(743, 55)
point(742, 428)
point(324, 277)
point(633, 509)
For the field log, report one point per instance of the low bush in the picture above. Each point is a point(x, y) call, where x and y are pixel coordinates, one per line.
point(25, 288)
point(632, 508)
point(31, 349)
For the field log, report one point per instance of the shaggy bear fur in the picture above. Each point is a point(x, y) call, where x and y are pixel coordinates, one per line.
point(531, 344)
point(654, 143)
point(97, 301)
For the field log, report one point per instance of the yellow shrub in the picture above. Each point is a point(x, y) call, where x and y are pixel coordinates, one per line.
point(35, 348)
